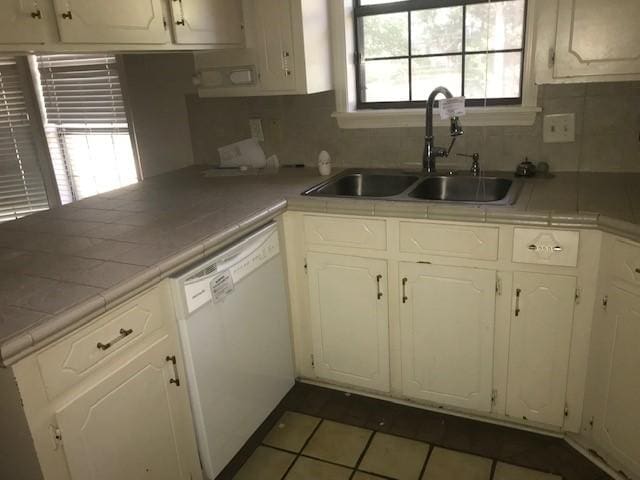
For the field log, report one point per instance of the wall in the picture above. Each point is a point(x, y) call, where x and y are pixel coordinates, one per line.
point(298, 127)
point(156, 87)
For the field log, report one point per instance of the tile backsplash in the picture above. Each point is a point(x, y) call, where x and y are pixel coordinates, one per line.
point(297, 128)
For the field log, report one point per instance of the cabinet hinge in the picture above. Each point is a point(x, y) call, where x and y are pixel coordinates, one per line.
point(592, 420)
point(605, 302)
point(56, 436)
point(494, 396)
point(498, 286)
point(578, 295)
point(313, 360)
point(566, 410)
point(552, 57)
point(306, 267)
point(164, 22)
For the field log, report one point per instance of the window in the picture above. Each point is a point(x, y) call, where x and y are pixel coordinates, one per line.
point(86, 124)
point(22, 189)
point(404, 49)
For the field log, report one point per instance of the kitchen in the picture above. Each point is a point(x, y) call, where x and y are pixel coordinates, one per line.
point(238, 241)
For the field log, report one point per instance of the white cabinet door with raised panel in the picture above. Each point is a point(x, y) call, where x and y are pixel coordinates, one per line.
point(597, 38)
point(23, 21)
point(214, 22)
point(539, 346)
point(274, 42)
point(349, 319)
point(113, 21)
point(617, 426)
point(447, 321)
point(134, 424)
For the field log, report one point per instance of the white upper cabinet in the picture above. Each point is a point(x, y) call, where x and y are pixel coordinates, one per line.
point(23, 21)
point(539, 347)
point(588, 40)
point(215, 22)
point(447, 320)
point(111, 22)
point(349, 319)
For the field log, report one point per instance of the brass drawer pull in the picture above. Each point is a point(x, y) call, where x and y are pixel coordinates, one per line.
point(176, 380)
point(378, 278)
point(557, 248)
point(37, 14)
point(404, 290)
point(638, 271)
point(518, 291)
point(123, 333)
point(67, 15)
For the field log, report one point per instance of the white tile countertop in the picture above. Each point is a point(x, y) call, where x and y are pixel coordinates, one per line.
point(61, 268)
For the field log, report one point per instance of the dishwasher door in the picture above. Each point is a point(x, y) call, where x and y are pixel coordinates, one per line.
point(234, 328)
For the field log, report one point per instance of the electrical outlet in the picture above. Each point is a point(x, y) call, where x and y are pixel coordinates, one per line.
point(255, 125)
point(559, 128)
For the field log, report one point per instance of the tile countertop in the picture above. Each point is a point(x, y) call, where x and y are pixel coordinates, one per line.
point(61, 268)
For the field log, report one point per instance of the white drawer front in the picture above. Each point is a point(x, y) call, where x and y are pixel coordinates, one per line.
point(626, 262)
point(546, 247)
point(72, 359)
point(449, 240)
point(346, 232)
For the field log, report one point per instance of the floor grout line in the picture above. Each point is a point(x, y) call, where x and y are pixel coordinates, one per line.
point(361, 457)
point(426, 460)
point(304, 445)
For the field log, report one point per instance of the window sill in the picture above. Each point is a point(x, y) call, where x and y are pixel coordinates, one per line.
point(475, 117)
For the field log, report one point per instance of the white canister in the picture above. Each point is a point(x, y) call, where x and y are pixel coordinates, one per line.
point(324, 163)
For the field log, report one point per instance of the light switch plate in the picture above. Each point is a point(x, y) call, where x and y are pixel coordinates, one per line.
point(559, 128)
point(255, 125)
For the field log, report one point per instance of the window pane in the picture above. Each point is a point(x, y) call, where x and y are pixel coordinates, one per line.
point(386, 80)
point(496, 75)
point(437, 30)
point(495, 25)
point(386, 35)
point(431, 72)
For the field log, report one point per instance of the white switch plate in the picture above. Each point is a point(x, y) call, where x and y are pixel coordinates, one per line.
point(559, 128)
point(255, 125)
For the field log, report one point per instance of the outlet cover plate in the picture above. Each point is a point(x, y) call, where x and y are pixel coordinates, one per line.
point(559, 128)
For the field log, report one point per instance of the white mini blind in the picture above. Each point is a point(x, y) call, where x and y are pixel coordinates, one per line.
point(22, 189)
point(86, 124)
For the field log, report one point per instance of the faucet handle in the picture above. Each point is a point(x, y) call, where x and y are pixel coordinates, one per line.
point(455, 128)
point(475, 156)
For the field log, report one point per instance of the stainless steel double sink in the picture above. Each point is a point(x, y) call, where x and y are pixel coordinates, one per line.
point(403, 185)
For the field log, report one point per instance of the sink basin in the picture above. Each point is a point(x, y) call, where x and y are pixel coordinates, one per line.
point(463, 189)
point(365, 185)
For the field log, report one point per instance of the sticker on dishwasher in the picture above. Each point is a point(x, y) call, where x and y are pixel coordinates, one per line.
point(221, 286)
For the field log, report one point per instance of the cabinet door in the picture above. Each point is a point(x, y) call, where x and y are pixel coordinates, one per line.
point(22, 21)
point(447, 320)
point(134, 424)
point(349, 319)
point(539, 344)
point(593, 40)
point(274, 44)
point(113, 21)
point(617, 427)
point(215, 22)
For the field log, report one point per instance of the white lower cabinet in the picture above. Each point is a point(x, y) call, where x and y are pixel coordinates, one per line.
point(349, 319)
point(539, 346)
point(447, 328)
point(616, 426)
point(134, 424)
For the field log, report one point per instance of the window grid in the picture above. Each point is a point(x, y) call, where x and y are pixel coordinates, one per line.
point(409, 6)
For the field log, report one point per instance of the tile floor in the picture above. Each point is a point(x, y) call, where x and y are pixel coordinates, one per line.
point(323, 434)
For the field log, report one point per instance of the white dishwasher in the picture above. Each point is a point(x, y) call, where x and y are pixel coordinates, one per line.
point(234, 327)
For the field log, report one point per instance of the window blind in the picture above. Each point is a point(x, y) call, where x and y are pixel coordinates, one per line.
point(85, 124)
point(22, 189)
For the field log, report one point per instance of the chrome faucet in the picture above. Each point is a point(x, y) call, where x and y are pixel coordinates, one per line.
point(431, 151)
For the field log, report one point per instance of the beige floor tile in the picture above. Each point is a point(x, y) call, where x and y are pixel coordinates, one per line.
point(265, 464)
point(446, 464)
point(310, 469)
point(338, 443)
point(505, 471)
point(395, 457)
point(291, 431)
point(365, 476)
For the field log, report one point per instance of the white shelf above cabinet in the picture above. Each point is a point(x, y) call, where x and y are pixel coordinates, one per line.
point(288, 52)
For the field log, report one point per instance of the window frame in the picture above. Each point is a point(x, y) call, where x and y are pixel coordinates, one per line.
point(348, 116)
point(361, 11)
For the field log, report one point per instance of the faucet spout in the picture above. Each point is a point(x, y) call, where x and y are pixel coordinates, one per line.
point(431, 152)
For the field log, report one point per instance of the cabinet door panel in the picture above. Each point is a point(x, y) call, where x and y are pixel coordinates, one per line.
point(132, 425)
point(447, 322)
point(22, 21)
point(274, 40)
point(113, 21)
point(593, 40)
point(349, 319)
point(215, 22)
point(618, 427)
point(539, 345)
